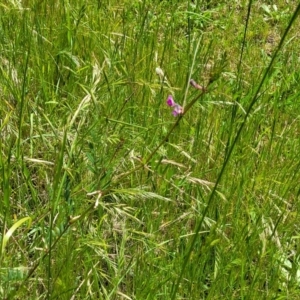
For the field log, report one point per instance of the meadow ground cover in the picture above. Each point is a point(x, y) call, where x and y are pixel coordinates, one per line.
point(149, 149)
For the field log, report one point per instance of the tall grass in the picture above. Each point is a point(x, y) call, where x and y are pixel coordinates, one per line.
point(124, 201)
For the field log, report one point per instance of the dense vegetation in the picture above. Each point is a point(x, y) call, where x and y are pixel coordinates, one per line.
point(105, 194)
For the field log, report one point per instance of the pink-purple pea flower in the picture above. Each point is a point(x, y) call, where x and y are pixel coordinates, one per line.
point(197, 86)
point(177, 109)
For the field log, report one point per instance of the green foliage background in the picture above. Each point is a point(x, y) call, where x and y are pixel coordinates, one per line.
point(121, 199)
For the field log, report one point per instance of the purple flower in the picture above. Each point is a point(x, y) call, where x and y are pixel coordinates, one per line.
point(178, 110)
point(170, 101)
point(196, 85)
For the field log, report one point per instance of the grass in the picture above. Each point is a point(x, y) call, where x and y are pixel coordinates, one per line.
point(104, 194)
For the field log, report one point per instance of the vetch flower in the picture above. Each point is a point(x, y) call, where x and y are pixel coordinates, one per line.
point(196, 85)
point(170, 101)
point(178, 109)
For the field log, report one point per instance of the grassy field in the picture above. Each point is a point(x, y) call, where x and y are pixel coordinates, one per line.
point(105, 194)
